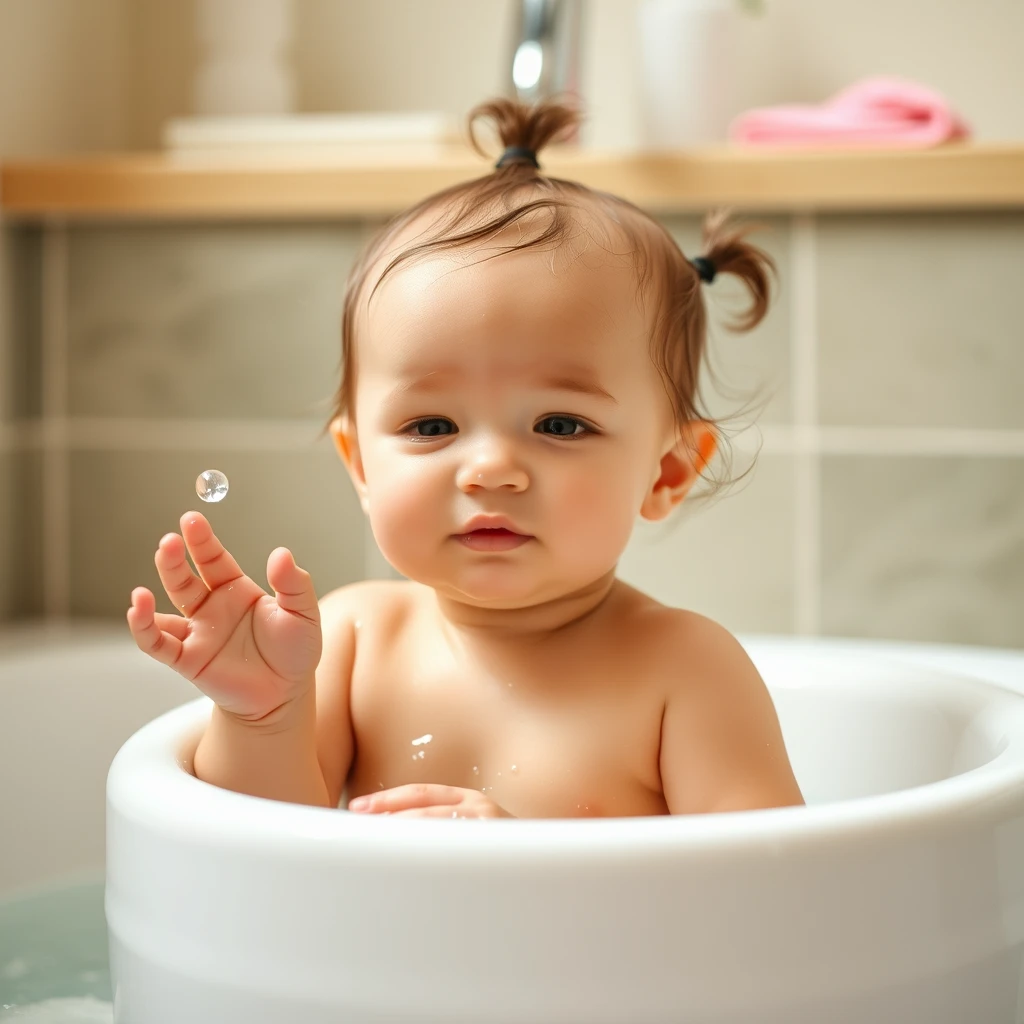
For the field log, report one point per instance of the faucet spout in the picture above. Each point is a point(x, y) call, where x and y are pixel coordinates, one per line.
point(545, 51)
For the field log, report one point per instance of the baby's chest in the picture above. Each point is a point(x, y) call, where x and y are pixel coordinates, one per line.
point(571, 751)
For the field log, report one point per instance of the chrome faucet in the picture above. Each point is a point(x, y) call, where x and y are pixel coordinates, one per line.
point(545, 50)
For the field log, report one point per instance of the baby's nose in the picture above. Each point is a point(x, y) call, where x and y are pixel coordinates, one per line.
point(492, 466)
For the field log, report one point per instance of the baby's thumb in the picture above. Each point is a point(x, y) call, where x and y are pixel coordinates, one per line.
point(292, 585)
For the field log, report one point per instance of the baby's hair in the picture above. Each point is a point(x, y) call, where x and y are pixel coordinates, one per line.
point(551, 212)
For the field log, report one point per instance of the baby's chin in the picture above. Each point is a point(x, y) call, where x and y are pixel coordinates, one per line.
point(495, 589)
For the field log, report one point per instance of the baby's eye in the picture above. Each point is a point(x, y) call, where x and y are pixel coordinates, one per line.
point(562, 426)
point(433, 426)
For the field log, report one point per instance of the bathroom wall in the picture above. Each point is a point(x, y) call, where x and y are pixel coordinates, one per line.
point(448, 54)
point(63, 67)
point(885, 499)
point(879, 495)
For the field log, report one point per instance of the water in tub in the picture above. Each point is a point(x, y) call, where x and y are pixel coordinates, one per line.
point(53, 957)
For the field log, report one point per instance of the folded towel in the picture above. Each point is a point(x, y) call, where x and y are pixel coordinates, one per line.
point(880, 111)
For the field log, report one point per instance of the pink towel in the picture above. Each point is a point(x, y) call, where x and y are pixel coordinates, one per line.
point(878, 111)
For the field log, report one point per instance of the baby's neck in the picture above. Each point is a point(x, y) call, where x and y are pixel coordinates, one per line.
point(535, 621)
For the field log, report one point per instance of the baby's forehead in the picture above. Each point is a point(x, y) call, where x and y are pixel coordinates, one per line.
point(590, 268)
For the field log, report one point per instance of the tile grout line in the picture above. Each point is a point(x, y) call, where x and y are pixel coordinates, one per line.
point(56, 522)
point(125, 434)
point(806, 435)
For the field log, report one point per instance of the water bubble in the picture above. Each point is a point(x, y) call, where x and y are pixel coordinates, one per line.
point(212, 485)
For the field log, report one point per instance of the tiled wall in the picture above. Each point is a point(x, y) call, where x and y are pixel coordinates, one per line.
point(887, 497)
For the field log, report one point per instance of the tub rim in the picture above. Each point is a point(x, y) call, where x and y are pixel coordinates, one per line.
point(142, 786)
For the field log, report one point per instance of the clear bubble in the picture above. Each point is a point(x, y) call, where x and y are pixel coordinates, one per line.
point(212, 485)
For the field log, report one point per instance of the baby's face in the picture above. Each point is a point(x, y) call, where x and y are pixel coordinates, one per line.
point(514, 391)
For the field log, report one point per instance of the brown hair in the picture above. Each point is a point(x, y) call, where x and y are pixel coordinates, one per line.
point(516, 192)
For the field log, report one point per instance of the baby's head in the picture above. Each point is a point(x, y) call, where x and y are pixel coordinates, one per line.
point(520, 362)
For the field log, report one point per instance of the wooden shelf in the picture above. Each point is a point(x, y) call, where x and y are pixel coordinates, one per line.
point(379, 183)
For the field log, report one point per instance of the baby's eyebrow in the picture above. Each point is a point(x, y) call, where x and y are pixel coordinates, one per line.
point(440, 380)
point(580, 385)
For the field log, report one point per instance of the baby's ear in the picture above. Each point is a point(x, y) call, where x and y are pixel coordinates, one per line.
point(680, 467)
point(346, 441)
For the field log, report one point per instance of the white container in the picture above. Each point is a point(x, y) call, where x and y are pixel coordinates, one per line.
point(244, 67)
point(896, 895)
point(687, 71)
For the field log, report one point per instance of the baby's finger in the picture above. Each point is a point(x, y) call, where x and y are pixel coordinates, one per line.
point(176, 625)
point(212, 560)
point(149, 637)
point(292, 586)
point(183, 587)
point(454, 811)
point(402, 798)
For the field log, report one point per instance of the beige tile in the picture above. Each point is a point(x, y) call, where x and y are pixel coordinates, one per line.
point(9, 500)
point(123, 502)
point(730, 559)
point(21, 587)
point(924, 549)
point(20, 329)
point(751, 371)
point(919, 320)
point(207, 321)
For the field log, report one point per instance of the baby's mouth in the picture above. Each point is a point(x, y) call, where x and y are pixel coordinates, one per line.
point(492, 539)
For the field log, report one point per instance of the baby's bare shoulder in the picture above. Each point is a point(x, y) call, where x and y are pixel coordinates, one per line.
point(687, 650)
point(372, 603)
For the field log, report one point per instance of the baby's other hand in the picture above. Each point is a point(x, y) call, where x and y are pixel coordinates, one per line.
point(425, 800)
point(250, 652)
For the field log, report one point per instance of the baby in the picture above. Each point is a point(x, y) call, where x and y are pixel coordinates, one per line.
point(520, 360)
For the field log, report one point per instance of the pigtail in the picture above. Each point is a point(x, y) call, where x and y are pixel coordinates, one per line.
point(726, 251)
point(523, 130)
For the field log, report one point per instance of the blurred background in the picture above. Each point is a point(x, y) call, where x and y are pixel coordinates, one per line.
point(887, 498)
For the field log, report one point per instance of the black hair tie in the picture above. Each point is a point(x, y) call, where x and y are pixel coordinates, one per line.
point(705, 268)
point(515, 154)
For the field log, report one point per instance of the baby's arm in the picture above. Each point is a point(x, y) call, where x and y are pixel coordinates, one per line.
point(721, 745)
point(303, 755)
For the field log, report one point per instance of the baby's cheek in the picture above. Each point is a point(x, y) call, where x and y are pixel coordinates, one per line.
point(399, 509)
point(598, 513)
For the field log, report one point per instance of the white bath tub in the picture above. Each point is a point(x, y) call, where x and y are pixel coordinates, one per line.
point(897, 895)
point(906, 906)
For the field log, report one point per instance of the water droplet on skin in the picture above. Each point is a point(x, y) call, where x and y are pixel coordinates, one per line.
point(211, 485)
point(499, 775)
point(358, 624)
point(514, 768)
point(422, 754)
point(455, 814)
point(476, 771)
point(381, 784)
point(422, 739)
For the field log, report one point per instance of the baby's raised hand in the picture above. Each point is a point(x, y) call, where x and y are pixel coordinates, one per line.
point(250, 652)
point(426, 800)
